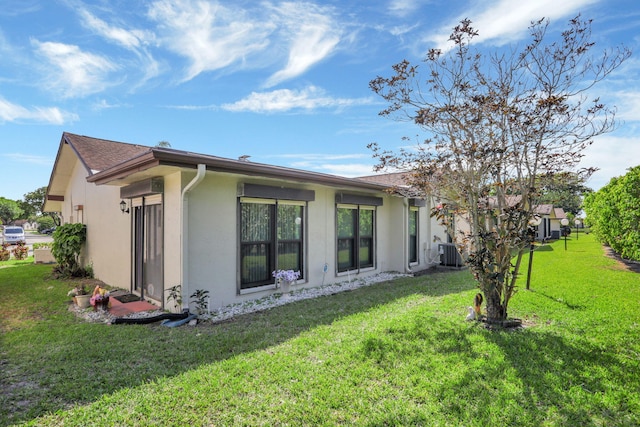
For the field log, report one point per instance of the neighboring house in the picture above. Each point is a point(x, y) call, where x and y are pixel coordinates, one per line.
point(545, 213)
point(549, 227)
point(26, 224)
point(223, 225)
point(558, 215)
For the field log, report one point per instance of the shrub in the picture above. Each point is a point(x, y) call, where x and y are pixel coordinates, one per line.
point(613, 212)
point(67, 245)
point(4, 252)
point(21, 251)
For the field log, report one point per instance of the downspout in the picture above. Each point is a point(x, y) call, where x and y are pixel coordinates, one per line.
point(184, 237)
point(430, 240)
point(405, 235)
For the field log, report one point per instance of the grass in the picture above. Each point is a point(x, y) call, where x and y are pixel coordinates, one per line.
point(395, 353)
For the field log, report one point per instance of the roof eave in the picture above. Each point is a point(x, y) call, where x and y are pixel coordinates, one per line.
point(160, 157)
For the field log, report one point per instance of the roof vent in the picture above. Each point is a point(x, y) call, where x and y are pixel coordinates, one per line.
point(244, 158)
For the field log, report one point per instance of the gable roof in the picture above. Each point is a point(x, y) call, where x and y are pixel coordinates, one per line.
point(100, 154)
point(560, 213)
point(118, 163)
point(544, 209)
point(92, 154)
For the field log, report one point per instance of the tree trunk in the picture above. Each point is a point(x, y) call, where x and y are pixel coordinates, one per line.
point(495, 309)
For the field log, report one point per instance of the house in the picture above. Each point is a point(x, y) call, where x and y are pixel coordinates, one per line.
point(558, 215)
point(544, 212)
point(159, 217)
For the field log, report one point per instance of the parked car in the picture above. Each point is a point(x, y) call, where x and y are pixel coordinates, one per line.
point(48, 230)
point(13, 235)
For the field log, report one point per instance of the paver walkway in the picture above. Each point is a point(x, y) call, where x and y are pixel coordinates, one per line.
point(120, 309)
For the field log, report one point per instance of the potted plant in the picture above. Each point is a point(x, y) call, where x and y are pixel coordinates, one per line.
point(100, 299)
point(80, 296)
point(285, 278)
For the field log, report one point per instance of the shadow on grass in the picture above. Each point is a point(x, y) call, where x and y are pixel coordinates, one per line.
point(477, 377)
point(51, 366)
point(559, 301)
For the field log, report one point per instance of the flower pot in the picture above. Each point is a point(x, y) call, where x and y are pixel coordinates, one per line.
point(83, 301)
point(101, 304)
point(285, 286)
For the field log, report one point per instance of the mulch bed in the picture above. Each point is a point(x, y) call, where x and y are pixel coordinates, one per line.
point(630, 265)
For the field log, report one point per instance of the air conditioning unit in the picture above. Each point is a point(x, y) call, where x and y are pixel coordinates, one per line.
point(449, 255)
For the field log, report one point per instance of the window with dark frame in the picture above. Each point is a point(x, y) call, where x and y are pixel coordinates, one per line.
point(271, 238)
point(355, 237)
point(413, 235)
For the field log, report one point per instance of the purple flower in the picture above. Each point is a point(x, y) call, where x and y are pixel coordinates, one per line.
point(286, 275)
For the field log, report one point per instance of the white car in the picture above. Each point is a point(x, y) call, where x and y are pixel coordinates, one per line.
point(13, 235)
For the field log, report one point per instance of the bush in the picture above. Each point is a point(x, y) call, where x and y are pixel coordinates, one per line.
point(4, 252)
point(21, 251)
point(68, 240)
point(613, 213)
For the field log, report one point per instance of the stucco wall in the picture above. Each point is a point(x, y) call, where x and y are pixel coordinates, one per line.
point(211, 239)
point(172, 227)
point(212, 243)
point(108, 246)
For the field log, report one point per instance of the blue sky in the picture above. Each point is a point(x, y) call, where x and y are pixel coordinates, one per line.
point(285, 82)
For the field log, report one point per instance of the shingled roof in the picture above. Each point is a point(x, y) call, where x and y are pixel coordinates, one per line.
point(101, 154)
point(397, 182)
point(118, 163)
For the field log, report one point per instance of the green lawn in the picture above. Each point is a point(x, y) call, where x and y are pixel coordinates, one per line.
point(395, 353)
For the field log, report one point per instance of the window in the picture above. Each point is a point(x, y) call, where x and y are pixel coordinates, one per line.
point(413, 235)
point(271, 238)
point(355, 230)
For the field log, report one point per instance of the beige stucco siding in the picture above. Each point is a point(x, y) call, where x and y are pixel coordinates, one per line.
point(212, 242)
point(211, 239)
point(108, 247)
point(172, 227)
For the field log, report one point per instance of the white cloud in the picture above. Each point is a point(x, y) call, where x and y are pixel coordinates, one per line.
point(313, 35)
point(29, 158)
point(628, 105)
point(216, 36)
point(133, 40)
point(10, 112)
point(75, 73)
point(403, 8)
point(350, 170)
point(103, 104)
point(612, 155)
point(281, 100)
point(193, 107)
point(125, 38)
point(348, 165)
point(210, 35)
point(502, 23)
